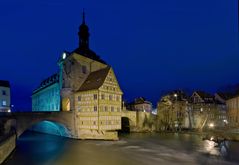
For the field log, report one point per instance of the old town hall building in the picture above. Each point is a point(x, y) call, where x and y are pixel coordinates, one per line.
point(86, 85)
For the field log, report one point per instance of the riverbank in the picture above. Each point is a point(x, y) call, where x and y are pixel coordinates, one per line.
point(7, 146)
point(215, 134)
point(224, 135)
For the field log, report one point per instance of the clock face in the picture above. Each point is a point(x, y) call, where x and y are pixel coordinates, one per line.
point(64, 56)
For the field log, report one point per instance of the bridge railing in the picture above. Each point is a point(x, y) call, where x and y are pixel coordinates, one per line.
point(12, 114)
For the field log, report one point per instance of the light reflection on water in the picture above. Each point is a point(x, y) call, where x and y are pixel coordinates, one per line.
point(42, 149)
point(210, 147)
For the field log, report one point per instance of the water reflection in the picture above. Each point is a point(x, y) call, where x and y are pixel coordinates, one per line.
point(229, 150)
point(143, 149)
point(211, 147)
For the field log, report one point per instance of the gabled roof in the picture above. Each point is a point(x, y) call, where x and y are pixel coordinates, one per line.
point(141, 100)
point(225, 96)
point(95, 79)
point(204, 95)
point(4, 83)
point(138, 100)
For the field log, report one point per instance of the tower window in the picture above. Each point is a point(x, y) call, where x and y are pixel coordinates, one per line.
point(79, 98)
point(95, 96)
point(84, 69)
point(112, 109)
point(4, 92)
point(110, 97)
point(102, 96)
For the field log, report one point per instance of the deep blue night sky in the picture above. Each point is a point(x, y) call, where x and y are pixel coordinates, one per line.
point(153, 46)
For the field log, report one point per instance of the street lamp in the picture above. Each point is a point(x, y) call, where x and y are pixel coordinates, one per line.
point(211, 125)
point(201, 109)
point(176, 122)
point(225, 121)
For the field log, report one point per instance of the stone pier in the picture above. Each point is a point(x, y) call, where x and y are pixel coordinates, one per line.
point(7, 145)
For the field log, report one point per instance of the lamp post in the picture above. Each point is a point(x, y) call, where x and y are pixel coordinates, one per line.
point(176, 122)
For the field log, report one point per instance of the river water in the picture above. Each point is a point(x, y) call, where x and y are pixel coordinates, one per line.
point(133, 149)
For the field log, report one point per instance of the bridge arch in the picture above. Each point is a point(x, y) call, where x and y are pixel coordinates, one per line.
point(125, 125)
point(50, 127)
point(56, 125)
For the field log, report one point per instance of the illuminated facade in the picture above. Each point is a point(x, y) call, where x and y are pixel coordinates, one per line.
point(47, 96)
point(233, 111)
point(206, 110)
point(172, 111)
point(140, 104)
point(98, 101)
point(5, 96)
point(85, 86)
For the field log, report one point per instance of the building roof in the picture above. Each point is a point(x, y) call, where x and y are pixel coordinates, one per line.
point(225, 96)
point(48, 82)
point(137, 101)
point(89, 54)
point(4, 83)
point(95, 79)
point(141, 100)
point(204, 95)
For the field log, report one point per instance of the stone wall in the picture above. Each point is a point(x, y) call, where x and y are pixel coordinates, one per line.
point(6, 147)
point(99, 135)
point(145, 122)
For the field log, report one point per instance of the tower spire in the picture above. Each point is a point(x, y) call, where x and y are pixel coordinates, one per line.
point(83, 20)
point(83, 34)
point(84, 37)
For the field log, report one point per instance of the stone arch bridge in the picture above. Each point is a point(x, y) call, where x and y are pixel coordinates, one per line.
point(65, 121)
point(21, 121)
